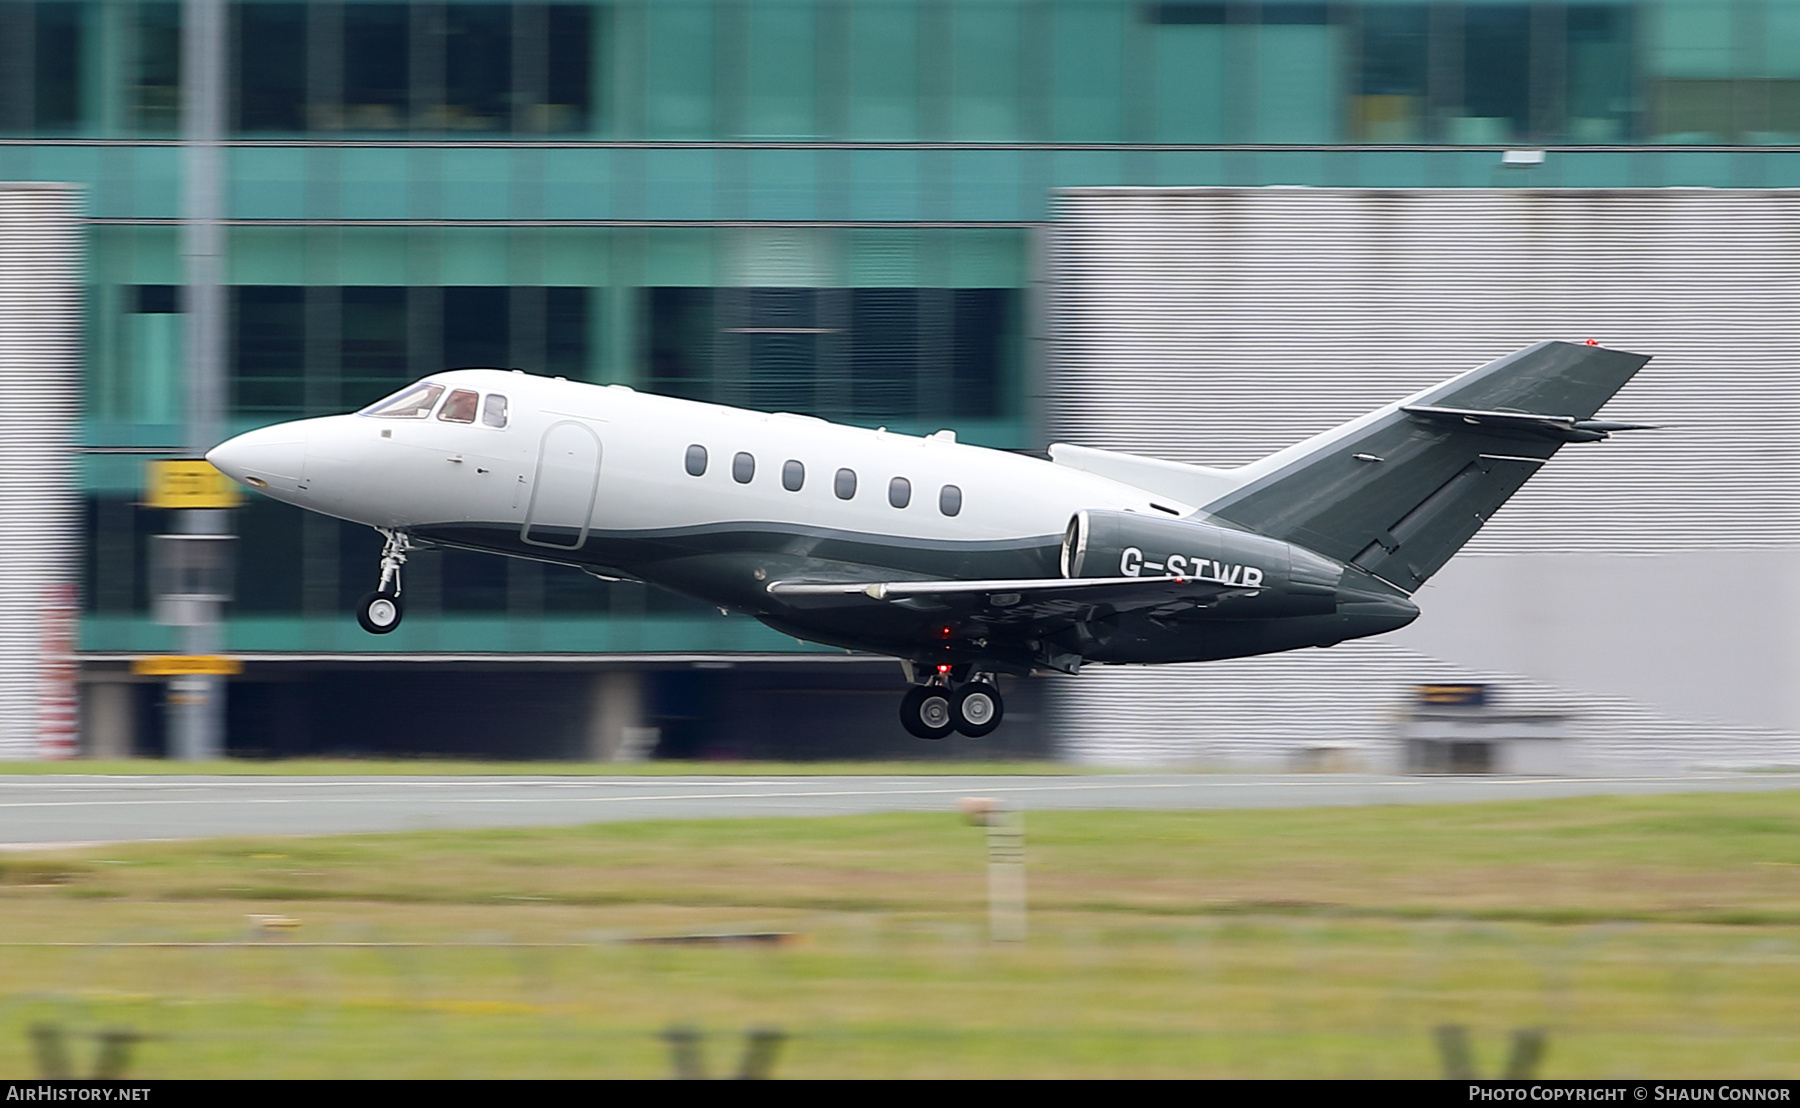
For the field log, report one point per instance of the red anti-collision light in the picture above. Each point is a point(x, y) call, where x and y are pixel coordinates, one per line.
point(1593, 342)
point(943, 669)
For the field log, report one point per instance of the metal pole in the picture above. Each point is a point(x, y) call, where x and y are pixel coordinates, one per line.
point(197, 703)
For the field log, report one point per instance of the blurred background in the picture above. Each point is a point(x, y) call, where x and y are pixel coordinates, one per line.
point(1024, 220)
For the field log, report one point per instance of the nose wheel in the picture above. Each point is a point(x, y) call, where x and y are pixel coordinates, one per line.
point(933, 711)
point(380, 611)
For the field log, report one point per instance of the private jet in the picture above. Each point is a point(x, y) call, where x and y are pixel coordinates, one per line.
point(963, 563)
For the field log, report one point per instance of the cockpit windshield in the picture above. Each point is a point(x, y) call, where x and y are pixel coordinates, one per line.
point(460, 408)
point(413, 402)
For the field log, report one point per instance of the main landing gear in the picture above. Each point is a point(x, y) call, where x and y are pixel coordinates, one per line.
point(934, 710)
point(380, 611)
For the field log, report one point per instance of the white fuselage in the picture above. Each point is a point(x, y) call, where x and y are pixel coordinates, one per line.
point(402, 473)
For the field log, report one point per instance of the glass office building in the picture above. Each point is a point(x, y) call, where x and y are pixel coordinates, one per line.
point(823, 206)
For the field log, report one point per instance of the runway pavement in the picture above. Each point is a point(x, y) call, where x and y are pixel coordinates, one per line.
point(68, 809)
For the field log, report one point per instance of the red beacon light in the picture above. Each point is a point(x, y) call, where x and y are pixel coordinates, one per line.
point(1593, 342)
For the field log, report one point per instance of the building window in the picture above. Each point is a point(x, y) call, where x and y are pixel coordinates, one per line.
point(377, 60)
point(310, 351)
point(871, 356)
point(899, 492)
point(696, 460)
point(845, 484)
point(793, 475)
point(950, 500)
point(158, 92)
point(271, 67)
point(743, 467)
point(268, 350)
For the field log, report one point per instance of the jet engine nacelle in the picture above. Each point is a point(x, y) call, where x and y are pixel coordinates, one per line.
point(1281, 576)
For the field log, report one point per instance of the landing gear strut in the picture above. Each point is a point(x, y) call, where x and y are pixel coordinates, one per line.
point(934, 710)
point(380, 611)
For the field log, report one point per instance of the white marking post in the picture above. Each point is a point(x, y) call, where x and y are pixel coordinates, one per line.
point(1006, 866)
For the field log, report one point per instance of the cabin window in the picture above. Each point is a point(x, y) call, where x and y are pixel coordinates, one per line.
point(696, 460)
point(413, 403)
point(493, 410)
point(460, 408)
point(845, 485)
point(793, 475)
point(899, 492)
point(950, 500)
point(743, 467)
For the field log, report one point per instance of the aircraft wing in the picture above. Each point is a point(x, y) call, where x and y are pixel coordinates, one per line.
point(1011, 602)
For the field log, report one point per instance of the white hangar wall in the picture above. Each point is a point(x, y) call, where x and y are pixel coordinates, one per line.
point(1649, 586)
point(40, 388)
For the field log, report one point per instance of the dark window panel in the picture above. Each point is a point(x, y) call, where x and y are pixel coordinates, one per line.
point(478, 67)
point(568, 69)
point(156, 299)
point(878, 366)
point(565, 333)
point(269, 551)
point(474, 582)
point(1496, 103)
point(271, 67)
point(884, 351)
point(56, 97)
point(112, 577)
point(158, 93)
point(373, 353)
point(377, 76)
point(268, 367)
point(779, 345)
point(980, 322)
point(477, 327)
point(680, 330)
point(17, 49)
point(696, 460)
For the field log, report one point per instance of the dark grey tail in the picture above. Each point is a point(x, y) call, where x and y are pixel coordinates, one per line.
point(1402, 489)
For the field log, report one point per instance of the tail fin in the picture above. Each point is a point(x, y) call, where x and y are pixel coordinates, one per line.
point(1400, 490)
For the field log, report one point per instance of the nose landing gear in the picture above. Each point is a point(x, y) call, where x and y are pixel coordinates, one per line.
point(380, 611)
point(934, 710)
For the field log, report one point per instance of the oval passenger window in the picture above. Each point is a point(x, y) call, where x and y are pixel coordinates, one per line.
point(696, 460)
point(845, 485)
point(899, 492)
point(743, 467)
point(793, 475)
point(950, 500)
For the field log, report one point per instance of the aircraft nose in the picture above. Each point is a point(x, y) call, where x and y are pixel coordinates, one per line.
point(267, 458)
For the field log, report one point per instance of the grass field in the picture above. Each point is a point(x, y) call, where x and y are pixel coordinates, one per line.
point(1649, 937)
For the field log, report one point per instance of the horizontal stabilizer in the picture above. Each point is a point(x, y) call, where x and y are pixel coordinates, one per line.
point(1556, 428)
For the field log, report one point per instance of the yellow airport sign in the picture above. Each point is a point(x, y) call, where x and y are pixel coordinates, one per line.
point(189, 483)
point(186, 665)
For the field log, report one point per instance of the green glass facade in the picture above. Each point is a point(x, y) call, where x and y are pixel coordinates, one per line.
point(814, 205)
